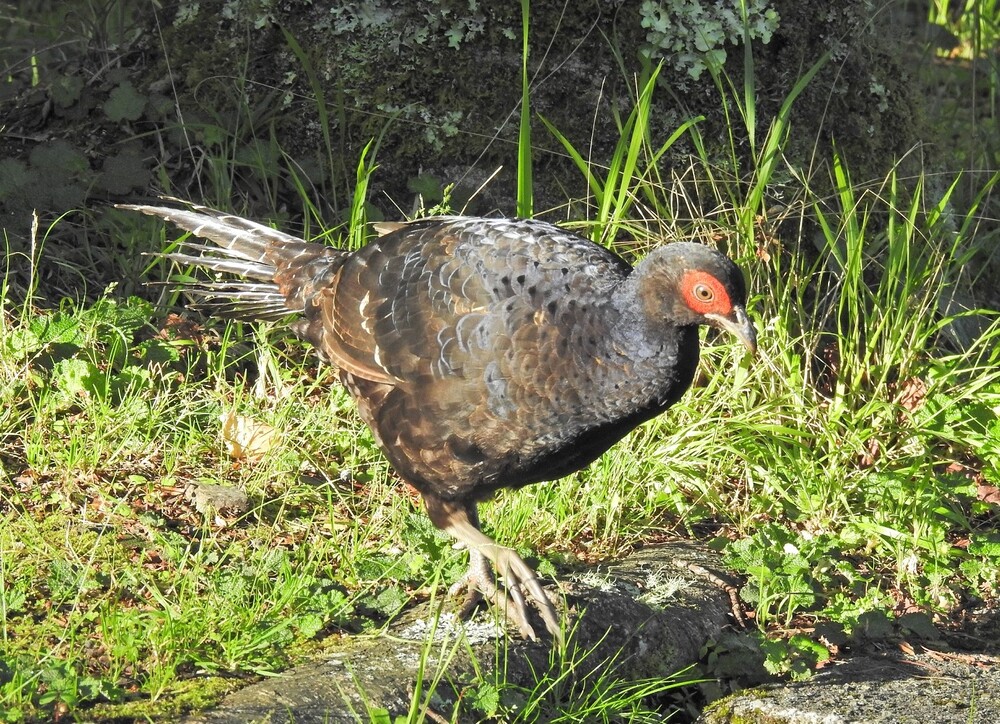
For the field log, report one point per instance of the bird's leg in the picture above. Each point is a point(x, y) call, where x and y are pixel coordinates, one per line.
point(462, 523)
point(477, 583)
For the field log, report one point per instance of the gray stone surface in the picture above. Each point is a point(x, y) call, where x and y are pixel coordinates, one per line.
point(645, 616)
point(211, 499)
point(930, 687)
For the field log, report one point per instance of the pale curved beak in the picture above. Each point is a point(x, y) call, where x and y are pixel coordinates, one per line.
point(737, 324)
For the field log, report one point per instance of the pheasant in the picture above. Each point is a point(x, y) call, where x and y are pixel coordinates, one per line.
point(482, 353)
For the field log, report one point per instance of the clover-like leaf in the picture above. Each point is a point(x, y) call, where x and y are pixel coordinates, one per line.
point(125, 103)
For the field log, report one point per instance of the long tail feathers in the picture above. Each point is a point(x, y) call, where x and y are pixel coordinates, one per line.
point(240, 300)
point(239, 237)
point(244, 249)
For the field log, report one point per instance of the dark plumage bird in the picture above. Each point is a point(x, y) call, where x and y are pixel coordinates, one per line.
point(482, 353)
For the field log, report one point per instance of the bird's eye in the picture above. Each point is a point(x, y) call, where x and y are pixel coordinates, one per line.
point(703, 293)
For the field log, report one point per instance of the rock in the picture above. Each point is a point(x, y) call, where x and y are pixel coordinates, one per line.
point(930, 687)
point(211, 499)
point(645, 616)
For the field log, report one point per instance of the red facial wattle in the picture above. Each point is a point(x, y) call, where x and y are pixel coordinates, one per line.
point(704, 294)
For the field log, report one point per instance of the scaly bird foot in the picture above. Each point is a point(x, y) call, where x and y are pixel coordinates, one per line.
point(479, 583)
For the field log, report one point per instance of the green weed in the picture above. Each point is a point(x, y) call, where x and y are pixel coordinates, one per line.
point(849, 472)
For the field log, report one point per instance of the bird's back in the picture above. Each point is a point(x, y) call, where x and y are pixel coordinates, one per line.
point(482, 353)
point(478, 351)
point(420, 303)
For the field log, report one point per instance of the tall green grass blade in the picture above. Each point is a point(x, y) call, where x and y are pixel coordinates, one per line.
point(632, 168)
point(584, 166)
point(525, 190)
point(638, 140)
point(965, 230)
point(768, 157)
point(321, 108)
point(749, 81)
point(357, 232)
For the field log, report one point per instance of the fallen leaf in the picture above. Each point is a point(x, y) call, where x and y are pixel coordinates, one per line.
point(246, 438)
point(871, 454)
point(912, 393)
point(988, 493)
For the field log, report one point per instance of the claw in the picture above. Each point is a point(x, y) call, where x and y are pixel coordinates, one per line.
point(479, 582)
point(518, 575)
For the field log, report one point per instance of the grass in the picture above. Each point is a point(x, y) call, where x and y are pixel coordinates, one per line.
point(831, 480)
point(973, 25)
point(851, 469)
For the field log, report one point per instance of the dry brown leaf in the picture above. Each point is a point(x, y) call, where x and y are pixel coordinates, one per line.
point(246, 438)
point(912, 393)
point(871, 454)
point(988, 493)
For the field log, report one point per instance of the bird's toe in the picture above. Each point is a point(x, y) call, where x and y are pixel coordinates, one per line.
point(518, 576)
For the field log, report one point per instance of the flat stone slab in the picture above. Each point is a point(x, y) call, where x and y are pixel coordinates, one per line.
point(930, 687)
point(646, 616)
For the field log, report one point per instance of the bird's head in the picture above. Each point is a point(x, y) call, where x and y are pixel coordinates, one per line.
point(692, 284)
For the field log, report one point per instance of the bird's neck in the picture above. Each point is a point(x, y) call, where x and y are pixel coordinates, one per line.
point(631, 329)
point(655, 358)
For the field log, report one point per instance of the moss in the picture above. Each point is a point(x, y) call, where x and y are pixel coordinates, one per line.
point(723, 711)
point(185, 696)
point(221, 106)
point(441, 90)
